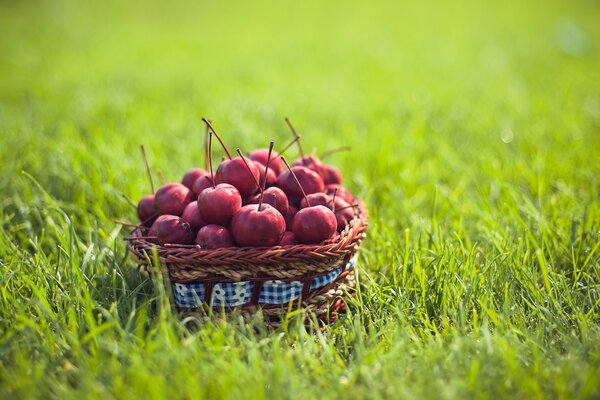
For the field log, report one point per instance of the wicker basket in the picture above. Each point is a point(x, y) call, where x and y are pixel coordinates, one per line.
point(274, 279)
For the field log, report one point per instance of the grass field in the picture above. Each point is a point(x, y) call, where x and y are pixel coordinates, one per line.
point(476, 144)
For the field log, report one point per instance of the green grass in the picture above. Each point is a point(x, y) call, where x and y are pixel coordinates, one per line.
point(476, 144)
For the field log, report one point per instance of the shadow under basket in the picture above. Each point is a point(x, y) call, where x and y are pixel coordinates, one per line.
point(274, 279)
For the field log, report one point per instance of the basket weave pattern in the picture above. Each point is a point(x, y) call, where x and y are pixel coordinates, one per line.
point(191, 266)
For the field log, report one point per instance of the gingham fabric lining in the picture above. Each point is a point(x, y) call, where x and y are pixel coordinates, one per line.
point(237, 293)
point(323, 280)
point(279, 292)
point(231, 294)
point(189, 295)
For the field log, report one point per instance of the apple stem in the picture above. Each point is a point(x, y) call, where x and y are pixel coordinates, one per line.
point(185, 246)
point(149, 219)
point(262, 189)
point(332, 151)
point(296, 179)
point(287, 120)
point(249, 169)
point(147, 168)
point(207, 122)
point(290, 144)
point(350, 206)
point(212, 176)
point(128, 200)
point(127, 224)
point(139, 237)
point(161, 176)
point(206, 134)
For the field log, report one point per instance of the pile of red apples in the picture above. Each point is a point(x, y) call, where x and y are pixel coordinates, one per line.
point(255, 200)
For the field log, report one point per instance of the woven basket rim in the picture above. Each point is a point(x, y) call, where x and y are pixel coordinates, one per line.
point(320, 298)
point(190, 263)
point(358, 223)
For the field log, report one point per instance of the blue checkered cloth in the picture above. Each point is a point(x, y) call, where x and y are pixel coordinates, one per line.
point(231, 294)
point(326, 279)
point(279, 292)
point(352, 262)
point(191, 295)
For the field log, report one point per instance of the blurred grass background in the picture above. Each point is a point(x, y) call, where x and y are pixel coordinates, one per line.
point(475, 133)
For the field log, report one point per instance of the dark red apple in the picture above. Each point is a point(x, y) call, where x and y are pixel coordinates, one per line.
point(172, 199)
point(174, 231)
point(342, 192)
point(261, 155)
point(316, 199)
point(289, 217)
point(153, 231)
point(331, 175)
point(235, 172)
point(262, 227)
point(190, 177)
point(344, 213)
point(146, 211)
point(311, 162)
point(218, 205)
point(275, 197)
point(191, 215)
point(271, 175)
point(288, 239)
point(214, 237)
point(311, 182)
point(313, 225)
point(200, 184)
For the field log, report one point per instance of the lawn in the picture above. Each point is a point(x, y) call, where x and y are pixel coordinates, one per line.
point(475, 134)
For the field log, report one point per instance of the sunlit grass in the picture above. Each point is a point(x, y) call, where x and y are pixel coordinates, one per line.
point(475, 136)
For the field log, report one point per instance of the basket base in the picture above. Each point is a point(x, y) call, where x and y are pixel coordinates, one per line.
point(326, 306)
point(267, 293)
